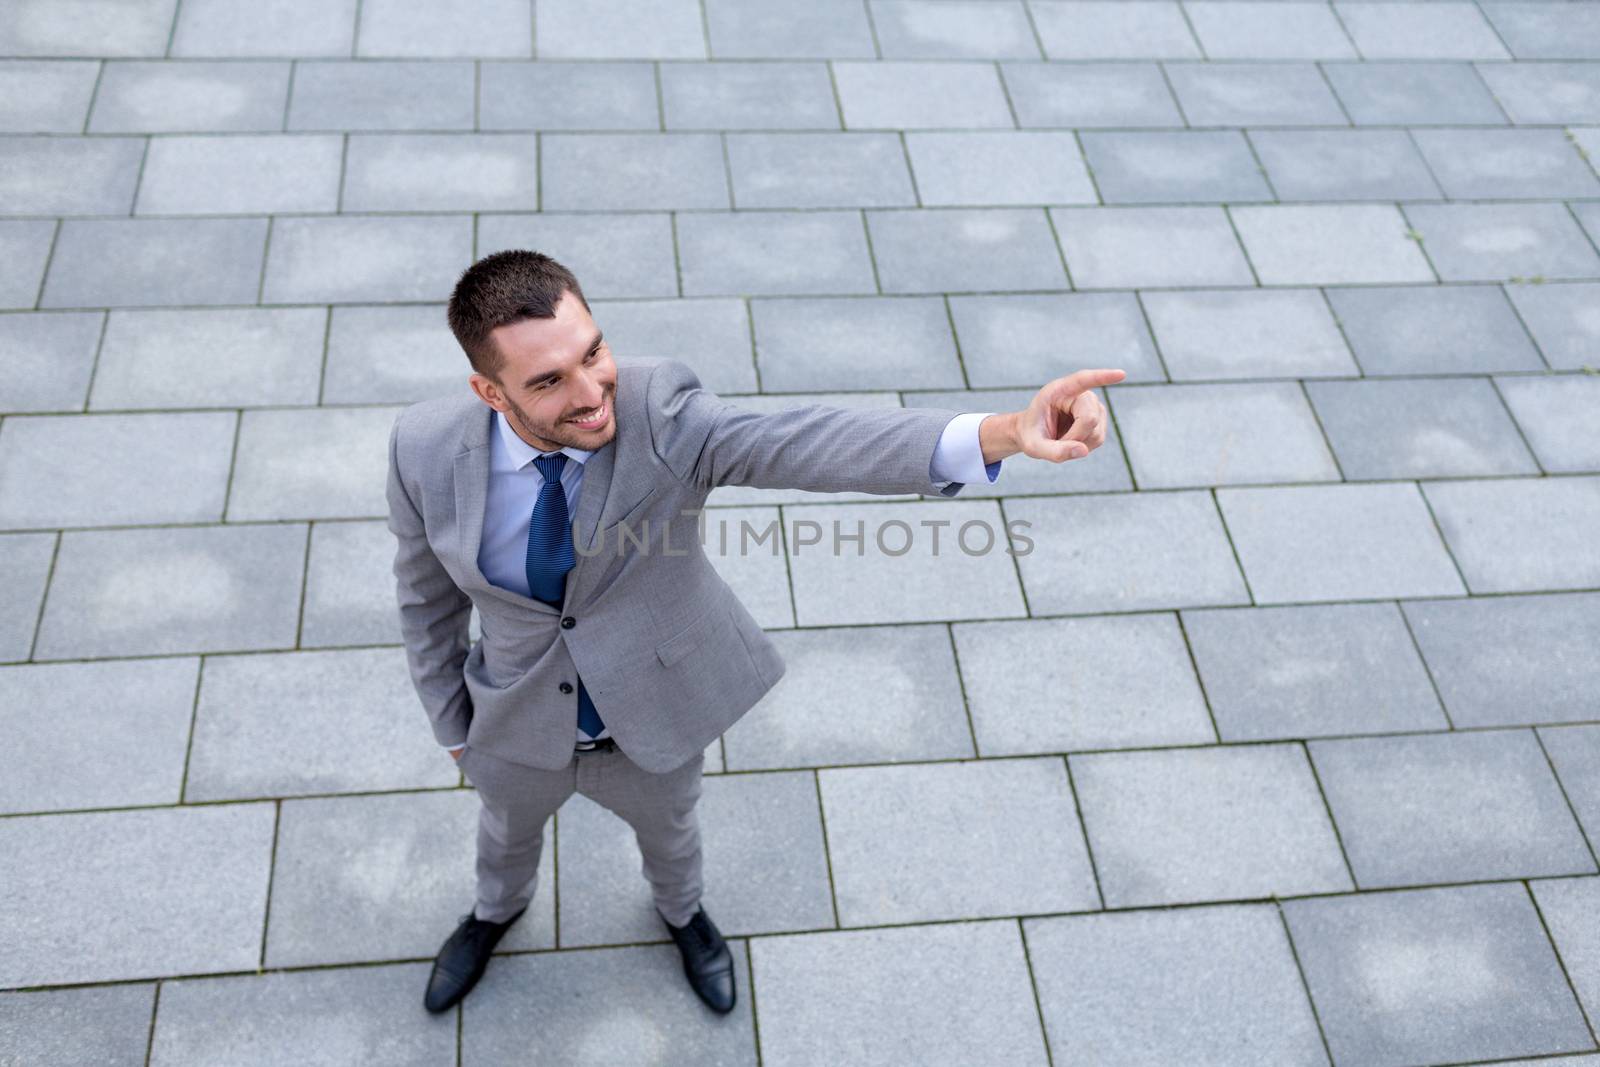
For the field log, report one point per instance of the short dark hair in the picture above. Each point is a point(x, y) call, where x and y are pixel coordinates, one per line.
point(503, 288)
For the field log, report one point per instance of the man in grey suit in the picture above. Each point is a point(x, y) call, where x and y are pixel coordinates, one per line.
point(612, 653)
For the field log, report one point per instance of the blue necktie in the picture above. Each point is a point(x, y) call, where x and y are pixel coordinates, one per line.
point(550, 558)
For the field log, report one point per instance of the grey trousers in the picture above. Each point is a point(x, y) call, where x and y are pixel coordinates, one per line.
point(517, 800)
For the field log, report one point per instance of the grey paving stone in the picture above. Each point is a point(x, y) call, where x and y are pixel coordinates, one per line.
point(1231, 30)
point(874, 694)
point(712, 336)
point(1057, 685)
point(1419, 428)
point(1556, 414)
point(1014, 339)
point(350, 586)
point(624, 255)
point(1344, 165)
point(96, 901)
point(1461, 807)
point(233, 357)
point(773, 253)
point(350, 259)
point(441, 172)
point(771, 29)
point(361, 1015)
point(1420, 31)
point(965, 249)
point(1167, 167)
point(104, 1025)
point(863, 342)
point(551, 1001)
point(1568, 906)
point(1184, 826)
point(274, 28)
point(25, 246)
point(24, 565)
point(963, 29)
point(1434, 975)
point(1202, 985)
point(132, 262)
point(567, 96)
point(1109, 29)
point(67, 746)
point(1146, 247)
point(262, 727)
point(178, 589)
point(758, 575)
point(382, 95)
point(42, 175)
point(632, 171)
point(948, 993)
point(311, 463)
point(1000, 167)
point(1574, 752)
point(241, 174)
point(1509, 164)
point(49, 357)
point(616, 29)
point(161, 96)
point(1254, 94)
point(391, 355)
point(1545, 92)
point(1290, 672)
point(1248, 333)
point(970, 575)
point(1175, 440)
point(747, 96)
point(44, 28)
point(1090, 94)
point(1124, 552)
point(45, 95)
point(1441, 329)
point(1496, 242)
point(1330, 244)
point(1588, 215)
point(1337, 542)
point(474, 28)
point(159, 467)
point(1546, 30)
point(1413, 94)
point(1485, 524)
point(908, 94)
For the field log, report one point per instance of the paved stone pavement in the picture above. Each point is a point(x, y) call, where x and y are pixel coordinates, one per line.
point(1281, 746)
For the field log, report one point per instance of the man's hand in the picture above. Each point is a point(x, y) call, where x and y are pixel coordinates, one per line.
point(1064, 420)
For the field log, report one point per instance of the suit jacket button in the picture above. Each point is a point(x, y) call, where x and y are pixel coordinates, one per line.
point(566, 687)
point(568, 623)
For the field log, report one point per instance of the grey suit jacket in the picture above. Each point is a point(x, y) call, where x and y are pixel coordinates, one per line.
point(669, 655)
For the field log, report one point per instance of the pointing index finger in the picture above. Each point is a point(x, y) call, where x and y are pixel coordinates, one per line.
point(1084, 380)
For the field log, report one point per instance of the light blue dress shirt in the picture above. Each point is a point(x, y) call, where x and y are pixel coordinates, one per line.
point(514, 482)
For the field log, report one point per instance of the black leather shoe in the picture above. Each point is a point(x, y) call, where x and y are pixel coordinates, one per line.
point(463, 959)
point(706, 959)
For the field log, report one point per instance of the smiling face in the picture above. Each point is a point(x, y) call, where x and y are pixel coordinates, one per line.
point(558, 380)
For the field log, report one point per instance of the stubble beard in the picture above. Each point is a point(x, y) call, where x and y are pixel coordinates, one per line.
point(564, 434)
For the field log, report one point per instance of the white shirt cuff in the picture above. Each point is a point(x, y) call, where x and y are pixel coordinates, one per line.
point(958, 457)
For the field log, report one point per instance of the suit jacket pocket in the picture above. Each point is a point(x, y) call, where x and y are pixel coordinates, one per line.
point(697, 632)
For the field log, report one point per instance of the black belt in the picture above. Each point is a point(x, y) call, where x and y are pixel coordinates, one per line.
point(591, 746)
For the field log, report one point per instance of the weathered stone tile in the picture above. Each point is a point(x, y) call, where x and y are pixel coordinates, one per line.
point(1575, 754)
point(161, 96)
point(1000, 167)
point(567, 96)
point(1420, 31)
point(1254, 94)
point(1330, 244)
point(466, 28)
point(869, 342)
point(1337, 542)
point(1510, 660)
point(96, 901)
point(624, 255)
point(241, 174)
point(1434, 975)
point(1109, 29)
point(127, 262)
point(1056, 685)
point(1496, 242)
point(1486, 525)
point(770, 29)
point(1419, 428)
point(1556, 414)
point(1140, 247)
point(1413, 94)
point(25, 246)
point(275, 28)
point(382, 95)
point(68, 175)
point(1090, 94)
point(1123, 552)
point(801, 170)
point(1203, 166)
point(1344, 165)
point(1460, 807)
point(1016, 339)
point(747, 96)
point(349, 259)
point(1231, 30)
point(632, 171)
point(964, 29)
point(1568, 906)
point(105, 1025)
point(441, 172)
point(311, 463)
point(965, 249)
point(817, 715)
point(1174, 440)
point(1546, 30)
point(1248, 333)
point(712, 336)
point(616, 29)
point(1431, 329)
point(48, 358)
point(906, 95)
point(177, 589)
point(1534, 93)
point(45, 95)
point(1200, 985)
point(1184, 826)
point(1508, 164)
point(758, 573)
point(124, 28)
point(160, 467)
point(358, 1015)
point(1562, 320)
point(392, 355)
point(760, 253)
point(350, 590)
point(24, 565)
